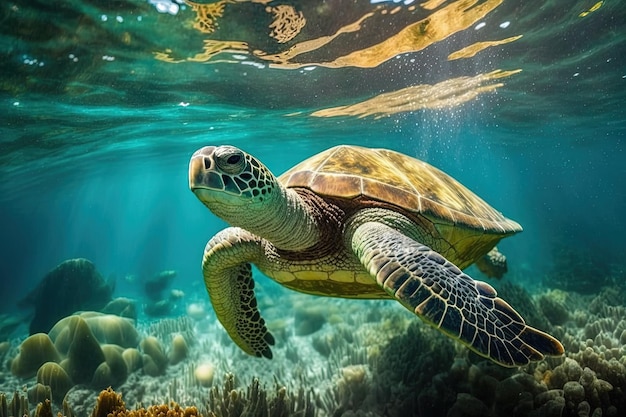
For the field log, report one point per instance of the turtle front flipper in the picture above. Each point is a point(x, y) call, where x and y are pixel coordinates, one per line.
point(228, 279)
point(448, 299)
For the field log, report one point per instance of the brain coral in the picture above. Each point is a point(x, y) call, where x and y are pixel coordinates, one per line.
point(90, 348)
point(106, 328)
point(35, 350)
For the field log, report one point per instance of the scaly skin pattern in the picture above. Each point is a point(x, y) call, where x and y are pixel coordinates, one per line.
point(251, 198)
point(437, 291)
point(228, 279)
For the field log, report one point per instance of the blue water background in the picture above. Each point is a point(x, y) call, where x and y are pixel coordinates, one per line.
point(98, 169)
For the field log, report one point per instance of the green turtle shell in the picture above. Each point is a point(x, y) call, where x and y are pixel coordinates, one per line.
point(464, 220)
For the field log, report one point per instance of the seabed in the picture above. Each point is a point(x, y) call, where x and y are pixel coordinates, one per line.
point(332, 357)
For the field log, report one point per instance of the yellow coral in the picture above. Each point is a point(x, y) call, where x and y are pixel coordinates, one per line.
point(154, 360)
point(179, 349)
point(110, 404)
point(54, 376)
point(106, 328)
point(36, 350)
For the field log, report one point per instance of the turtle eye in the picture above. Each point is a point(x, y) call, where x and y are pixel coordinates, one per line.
point(230, 160)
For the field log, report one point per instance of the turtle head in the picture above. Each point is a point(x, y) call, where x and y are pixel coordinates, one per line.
point(239, 189)
point(225, 179)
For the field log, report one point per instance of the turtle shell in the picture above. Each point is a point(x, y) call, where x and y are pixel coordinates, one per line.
point(353, 172)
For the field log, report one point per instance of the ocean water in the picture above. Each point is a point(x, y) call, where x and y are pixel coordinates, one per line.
point(103, 103)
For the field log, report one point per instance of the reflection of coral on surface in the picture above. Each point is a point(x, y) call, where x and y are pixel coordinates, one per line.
point(364, 48)
point(473, 49)
point(446, 94)
point(416, 36)
point(288, 22)
point(207, 15)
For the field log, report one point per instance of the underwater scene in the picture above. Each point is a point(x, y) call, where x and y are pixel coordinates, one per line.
point(312, 208)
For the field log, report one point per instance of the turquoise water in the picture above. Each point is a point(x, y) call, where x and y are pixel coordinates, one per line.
point(98, 124)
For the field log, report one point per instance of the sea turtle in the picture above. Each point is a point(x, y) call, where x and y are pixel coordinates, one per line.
point(355, 222)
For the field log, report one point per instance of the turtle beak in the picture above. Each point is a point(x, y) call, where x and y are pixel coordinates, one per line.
point(201, 171)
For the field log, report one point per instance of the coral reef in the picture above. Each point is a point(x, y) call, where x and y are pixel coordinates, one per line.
point(89, 348)
point(224, 402)
point(39, 394)
point(154, 359)
point(74, 285)
point(204, 374)
point(196, 311)
point(179, 349)
point(590, 381)
point(106, 328)
point(553, 305)
point(53, 376)
point(309, 320)
point(411, 363)
point(123, 307)
point(110, 404)
point(371, 360)
point(228, 402)
point(165, 329)
point(593, 378)
point(157, 284)
point(36, 350)
point(17, 406)
point(4, 348)
point(160, 304)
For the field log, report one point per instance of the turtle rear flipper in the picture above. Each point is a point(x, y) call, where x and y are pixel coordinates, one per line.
point(228, 279)
point(493, 264)
point(448, 299)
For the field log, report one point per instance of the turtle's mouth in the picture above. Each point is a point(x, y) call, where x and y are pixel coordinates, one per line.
point(212, 197)
point(204, 194)
point(205, 180)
